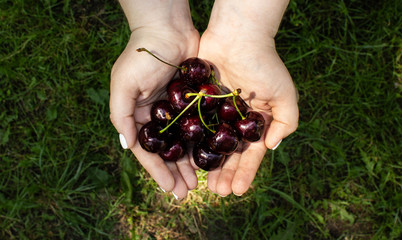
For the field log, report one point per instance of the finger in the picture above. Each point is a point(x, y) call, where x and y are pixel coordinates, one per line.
point(187, 172)
point(156, 167)
point(122, 106)
point(224, 182)
point(180, 188)
point(249, 163)
point(285, 113)
point(212, 179)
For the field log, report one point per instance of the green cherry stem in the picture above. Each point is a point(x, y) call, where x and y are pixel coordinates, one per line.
point(220, 96)
point(153, 55)
point(214, 79)
point(198, 96)
point(202, 119)
point(237, 108)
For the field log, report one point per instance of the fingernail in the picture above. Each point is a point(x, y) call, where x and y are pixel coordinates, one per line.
point(123, 141)
point(277, 145)
point(239, 195)
point(175, 196)
point(163, 190)
point(221, 195)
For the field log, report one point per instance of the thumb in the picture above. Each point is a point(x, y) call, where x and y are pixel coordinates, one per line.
point(122, 106)
point(285, 115)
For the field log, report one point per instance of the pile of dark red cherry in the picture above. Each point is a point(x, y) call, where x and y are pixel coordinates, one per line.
point(198, 114)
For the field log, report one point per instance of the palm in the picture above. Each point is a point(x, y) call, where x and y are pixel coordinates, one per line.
point(256, 69)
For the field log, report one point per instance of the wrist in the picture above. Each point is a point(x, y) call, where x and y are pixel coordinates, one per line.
point(158, 14)
point(255, 18)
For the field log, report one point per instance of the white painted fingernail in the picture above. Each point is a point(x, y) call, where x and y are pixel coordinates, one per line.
point(175, 196)
point(277, 145)
point(123, 141)
point(163, 190)
point(239, 195)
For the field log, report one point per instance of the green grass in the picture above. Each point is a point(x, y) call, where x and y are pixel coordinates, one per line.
point(64, 176)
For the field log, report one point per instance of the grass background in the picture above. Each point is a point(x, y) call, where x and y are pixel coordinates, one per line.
point(63, 174)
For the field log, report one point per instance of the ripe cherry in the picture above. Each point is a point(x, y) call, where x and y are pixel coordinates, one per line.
point(177, 97)
point(205, 158)
point(209, 103)
point(224, 140)
point(174, 151)
point(150, 139)
point(172, 132)
point(191, 129)
point(228, 112)
point(195, 71)
point(162, 112)
point(251, 128)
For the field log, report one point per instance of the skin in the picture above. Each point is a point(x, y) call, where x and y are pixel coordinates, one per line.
point(138, 80)
point(239, 42)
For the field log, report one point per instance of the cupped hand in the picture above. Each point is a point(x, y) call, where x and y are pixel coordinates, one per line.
point(251, 63)
point(137, 81)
